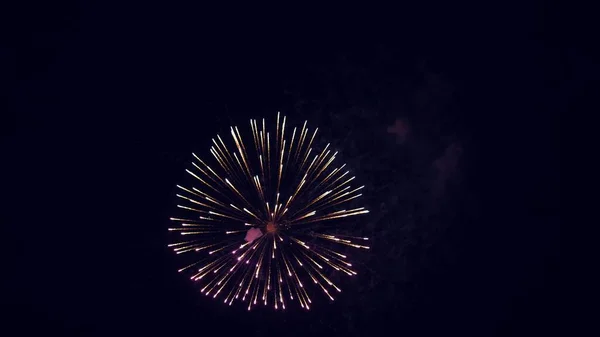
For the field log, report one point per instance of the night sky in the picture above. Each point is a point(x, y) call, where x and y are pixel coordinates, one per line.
point(442, 111)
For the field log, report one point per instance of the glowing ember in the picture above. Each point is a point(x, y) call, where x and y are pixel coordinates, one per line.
point(271, 227)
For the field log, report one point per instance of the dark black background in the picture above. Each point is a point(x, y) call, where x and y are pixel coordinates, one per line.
point(106, 101)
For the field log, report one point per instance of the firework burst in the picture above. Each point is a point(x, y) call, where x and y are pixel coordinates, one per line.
point(259, 223)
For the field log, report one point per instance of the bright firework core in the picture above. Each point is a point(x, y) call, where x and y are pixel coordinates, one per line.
point(272, 227)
